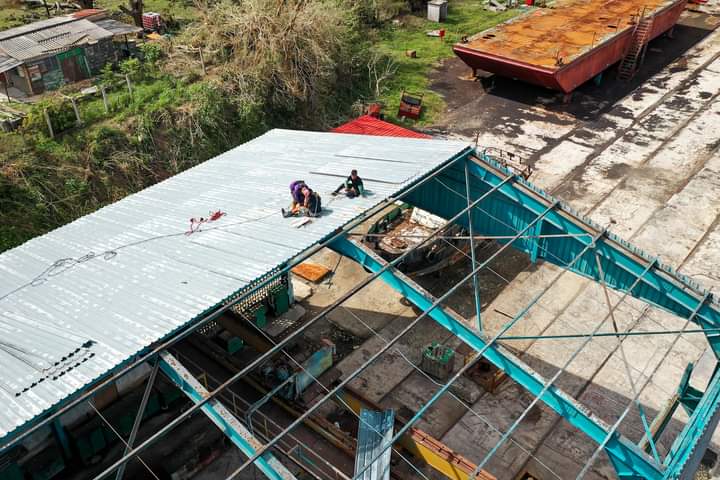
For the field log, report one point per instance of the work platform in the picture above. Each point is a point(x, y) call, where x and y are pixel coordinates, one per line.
point(563, 46)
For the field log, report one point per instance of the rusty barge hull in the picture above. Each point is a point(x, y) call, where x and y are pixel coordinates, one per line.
point(563, 47)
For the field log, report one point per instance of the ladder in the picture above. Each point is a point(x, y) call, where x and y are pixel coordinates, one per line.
point(636, 53)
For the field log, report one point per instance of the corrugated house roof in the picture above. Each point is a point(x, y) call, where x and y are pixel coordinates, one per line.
point(7, 62)
point(118, 28)
point(53, 39)
point(36, 26)
point(79, 301)
point(369, 125)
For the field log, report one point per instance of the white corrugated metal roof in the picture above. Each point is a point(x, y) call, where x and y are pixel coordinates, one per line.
point(70, 312)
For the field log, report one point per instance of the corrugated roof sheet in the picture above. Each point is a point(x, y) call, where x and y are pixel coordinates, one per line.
point(118, 28)
point(79, 301)
point(53, 39)
point(36, 26)
point(7, 62)
point(369, 125)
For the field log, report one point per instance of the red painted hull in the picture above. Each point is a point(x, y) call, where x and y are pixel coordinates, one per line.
point(583, 68)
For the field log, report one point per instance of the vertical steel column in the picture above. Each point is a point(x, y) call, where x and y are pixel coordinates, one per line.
point(476, 285)
point(138, 417)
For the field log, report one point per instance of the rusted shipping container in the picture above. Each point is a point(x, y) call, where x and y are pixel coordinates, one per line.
point(563, 47)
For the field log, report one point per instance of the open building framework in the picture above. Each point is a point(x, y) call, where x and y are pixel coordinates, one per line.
point(473, 190)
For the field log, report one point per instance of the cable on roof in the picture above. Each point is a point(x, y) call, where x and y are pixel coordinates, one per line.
point(62, 265)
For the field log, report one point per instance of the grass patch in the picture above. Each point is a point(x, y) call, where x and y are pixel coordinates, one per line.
point(179, 10)
point(13, 14)
point(465, 17)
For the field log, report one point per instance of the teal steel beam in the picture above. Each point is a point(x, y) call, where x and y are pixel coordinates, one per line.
point(519, 202)
point(689, 447)
point(623, 452)
point(223, 418)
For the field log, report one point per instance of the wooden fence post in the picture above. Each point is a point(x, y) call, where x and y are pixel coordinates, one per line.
point(78, 120)
point(87, 66)
point(129, 85)
point(49, 123)
point(202, 61)
point(104, 97)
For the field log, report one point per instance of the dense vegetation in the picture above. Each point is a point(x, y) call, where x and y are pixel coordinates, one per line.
point(271, 63)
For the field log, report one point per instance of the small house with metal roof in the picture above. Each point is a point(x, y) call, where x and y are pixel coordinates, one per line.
point(45, 55)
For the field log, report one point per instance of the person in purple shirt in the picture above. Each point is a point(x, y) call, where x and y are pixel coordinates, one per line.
point(304, 201)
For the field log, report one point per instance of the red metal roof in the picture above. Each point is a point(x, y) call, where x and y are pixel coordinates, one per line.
point(368, 125)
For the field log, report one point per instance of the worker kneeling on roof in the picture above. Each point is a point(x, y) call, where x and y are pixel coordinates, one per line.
point(304, 201)
point(353, 186)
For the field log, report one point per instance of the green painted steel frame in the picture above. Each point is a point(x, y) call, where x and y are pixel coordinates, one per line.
point(223, 418)
point(623, 451)
point(510, 209)
point(514, 205)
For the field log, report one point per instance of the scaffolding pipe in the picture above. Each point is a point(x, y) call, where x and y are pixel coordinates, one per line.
point(139, 416)
point(606, 334)
point(476, 285)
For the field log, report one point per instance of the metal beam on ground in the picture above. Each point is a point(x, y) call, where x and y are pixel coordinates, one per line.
point(372, 458)
point(221, 416)
point(618, 447)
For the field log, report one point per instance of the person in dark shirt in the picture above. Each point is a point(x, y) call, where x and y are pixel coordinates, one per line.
point(353, 186)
